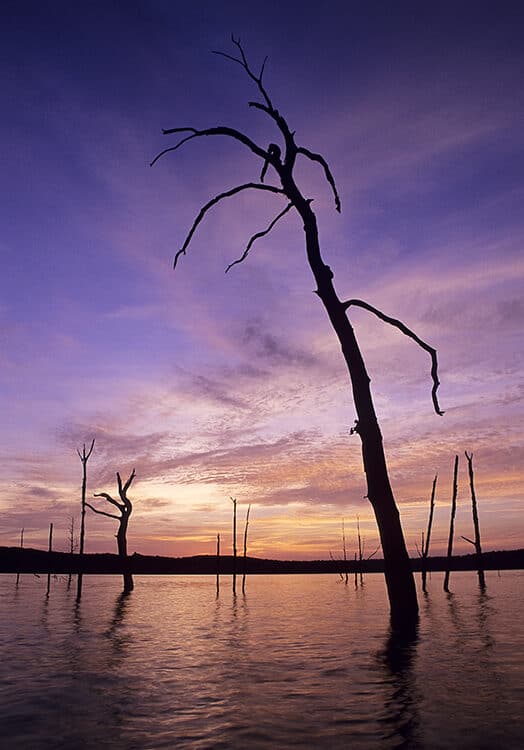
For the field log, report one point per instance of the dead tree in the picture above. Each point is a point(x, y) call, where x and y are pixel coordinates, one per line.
point(21, 547)
point(84, 458)
point(360, 552)
point(245, 550)
point(451, 523)
point(72, 546)
point(233, 500)
point(344, 552)
point(49, 549)
point(125, 509)
point(280, 161)
point(424, 550)
point(476, 542)
point(218, 564)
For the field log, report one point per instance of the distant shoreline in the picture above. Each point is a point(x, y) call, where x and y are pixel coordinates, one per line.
point(17, 560)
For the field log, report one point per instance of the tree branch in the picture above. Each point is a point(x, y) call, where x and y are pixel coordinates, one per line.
point(257, 236)
point(468, 540)
point(109, 499)
point(244, 64)
point(219, 130)
point(327, 172)
point(214, 201)
point(101, 512)
point(406, 331)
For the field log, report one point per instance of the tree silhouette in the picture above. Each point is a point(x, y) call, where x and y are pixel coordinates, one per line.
point(125, 508)
point(424, 547)
point(280, 162)
point(451, 523)
point(476, 526)
point(84, 458)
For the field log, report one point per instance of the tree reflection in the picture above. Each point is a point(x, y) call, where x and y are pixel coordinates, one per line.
point(402, 707)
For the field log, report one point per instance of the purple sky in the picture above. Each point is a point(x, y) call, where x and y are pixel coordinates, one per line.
point(215, 385)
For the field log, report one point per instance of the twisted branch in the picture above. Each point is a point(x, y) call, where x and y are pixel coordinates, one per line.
point(327, 172)
point(216, 199)
point(257, 236)
point(407, 332)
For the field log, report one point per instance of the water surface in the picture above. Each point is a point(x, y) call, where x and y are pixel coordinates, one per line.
point(298, 662)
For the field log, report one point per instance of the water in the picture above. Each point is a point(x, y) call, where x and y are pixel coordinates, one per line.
point(298, 662)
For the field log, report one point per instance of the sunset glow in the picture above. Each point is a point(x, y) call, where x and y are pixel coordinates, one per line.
point(216, 385)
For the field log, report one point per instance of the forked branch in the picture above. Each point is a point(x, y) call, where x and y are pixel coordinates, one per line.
point(407, 332)
point(216, 199)
point(219, 130)
point(244, 64)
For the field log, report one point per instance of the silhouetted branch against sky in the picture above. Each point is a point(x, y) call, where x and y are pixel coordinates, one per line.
point(407, 332)
point(272, 156)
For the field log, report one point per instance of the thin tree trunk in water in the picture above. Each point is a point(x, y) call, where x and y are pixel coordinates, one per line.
point(344, 551)
point(360, 552)
point(356, 576)
point(425, 547)
point(476, 543)
point(84, 458)
point(218, 564)
point(233, 500)
point(49, 549)
point(245, 550)
point(21, 547)
point(452, 522)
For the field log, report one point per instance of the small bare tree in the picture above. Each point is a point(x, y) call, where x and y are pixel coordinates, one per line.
point(245, 550)
point(218, 565)
point(21, 547)
point(233, 500)
point(280, 162)
point(73, 544)
point(476, 542)
point(84, 457)
point(452, 523)
point(424, 547)
point(125, 509)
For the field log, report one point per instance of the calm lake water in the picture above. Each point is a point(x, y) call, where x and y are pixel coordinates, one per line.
point(298, 662)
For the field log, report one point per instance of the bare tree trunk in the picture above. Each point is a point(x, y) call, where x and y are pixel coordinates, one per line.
point(71, 547)
point(84, 458)
point(356, 577)
point(245, 550)
point(49, 549)
point(452, 523)
point(425, 547)
point(476, 543)
point(233, 500)
point(218, 564)
point(344, 551)
point(360, 553)
point(21, 547)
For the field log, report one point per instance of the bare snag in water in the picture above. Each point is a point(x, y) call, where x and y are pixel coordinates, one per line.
point(125, 509)
point(279, 161)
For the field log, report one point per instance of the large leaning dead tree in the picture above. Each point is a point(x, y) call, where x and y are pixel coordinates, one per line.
point(278, 161)
point(125, 509)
